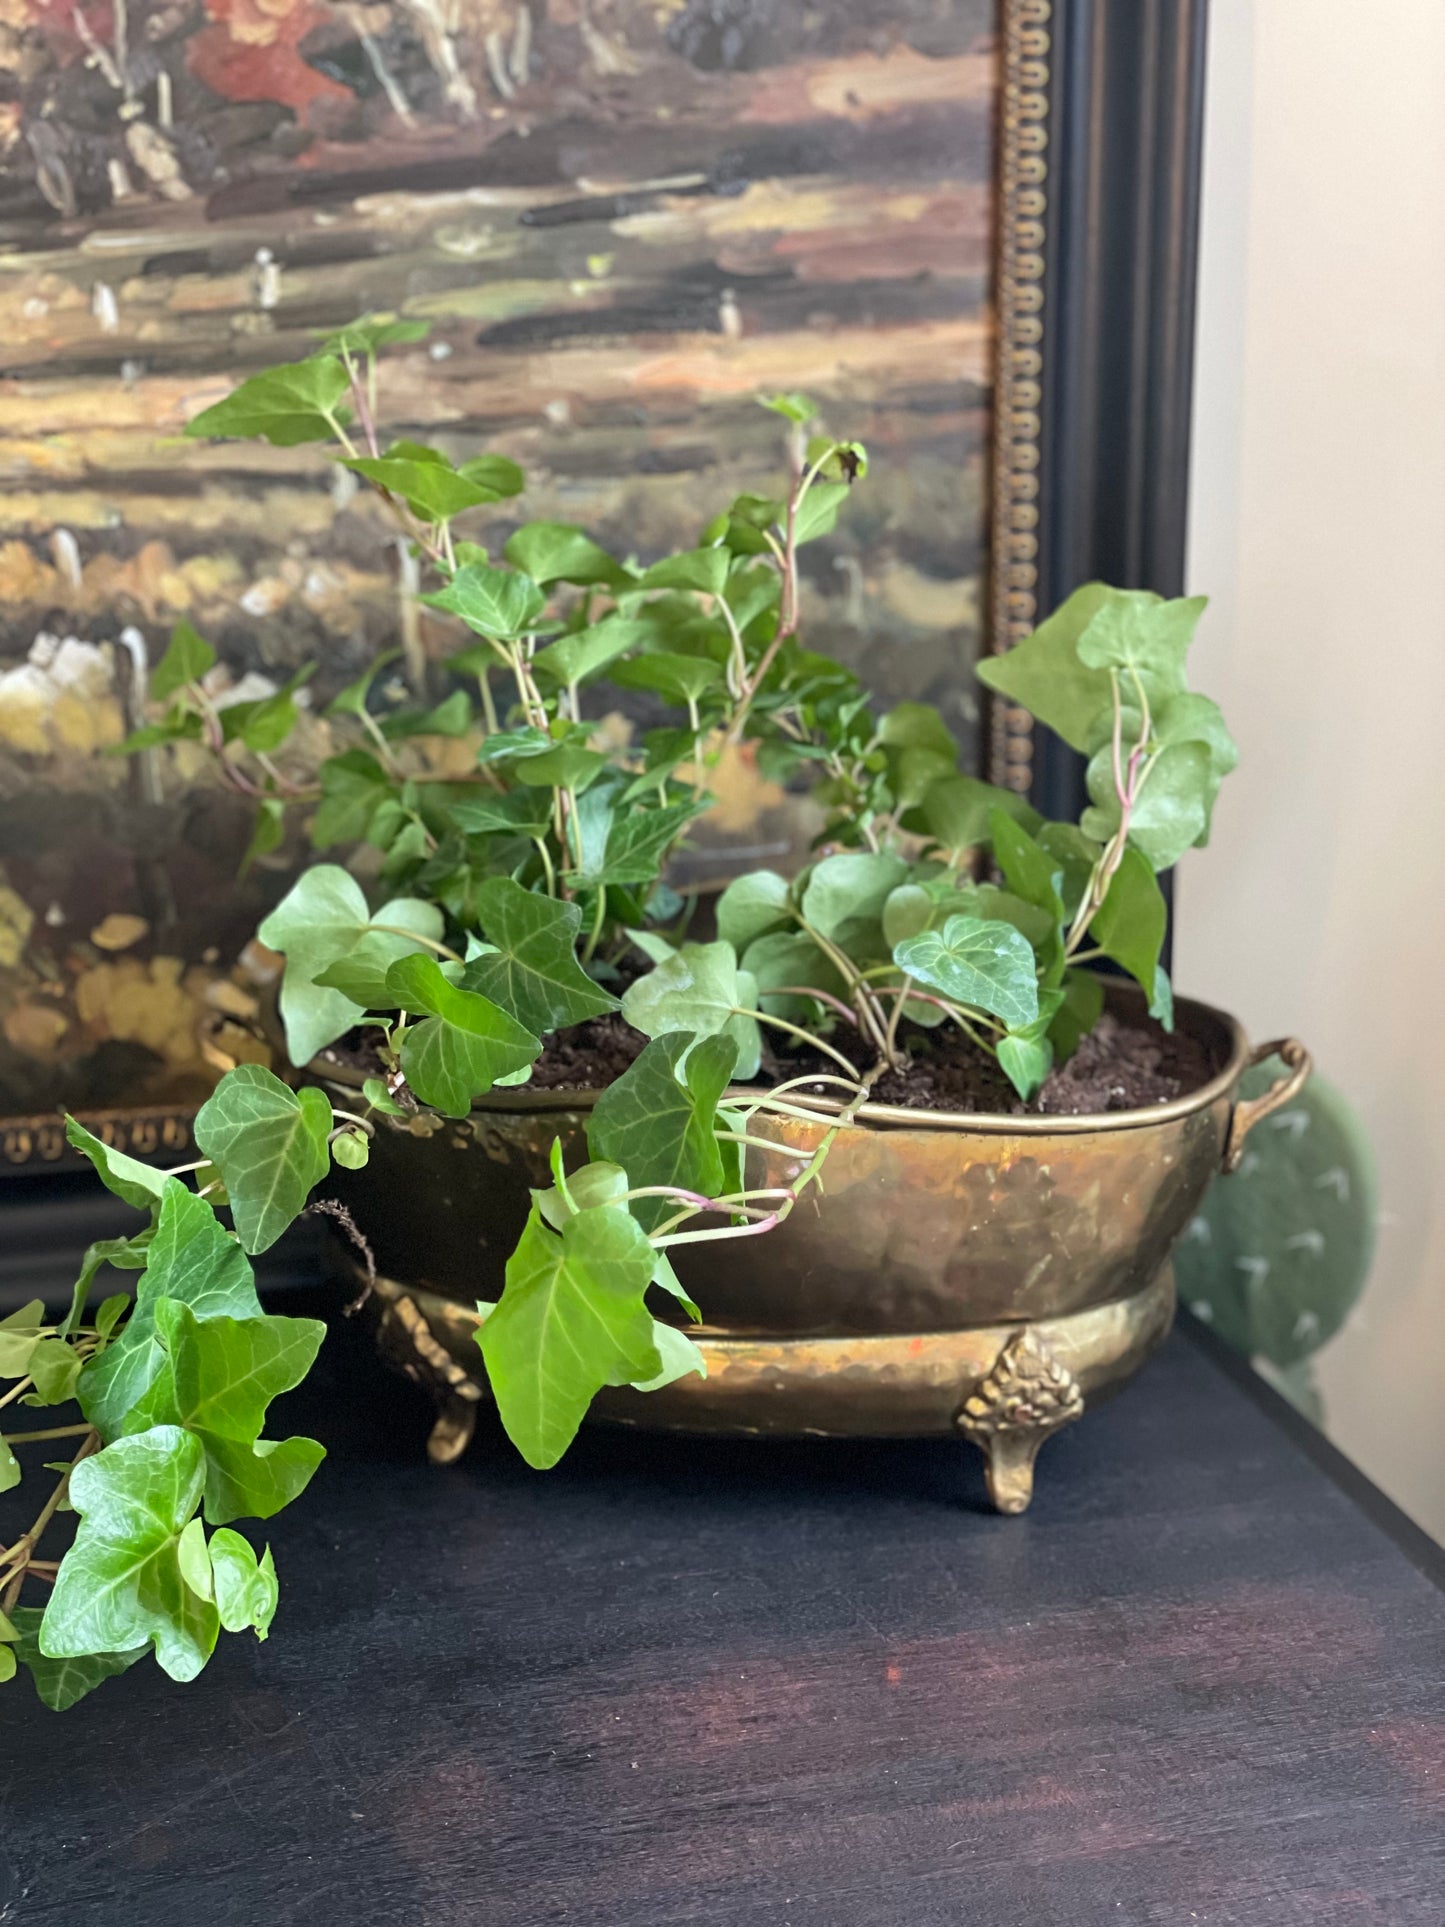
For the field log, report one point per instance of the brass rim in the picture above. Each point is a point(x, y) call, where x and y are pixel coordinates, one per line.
point(894, 1116)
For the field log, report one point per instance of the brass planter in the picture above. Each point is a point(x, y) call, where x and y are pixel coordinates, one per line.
point(983, 1275)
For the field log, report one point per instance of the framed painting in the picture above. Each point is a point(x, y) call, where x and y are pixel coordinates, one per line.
point(964, 226)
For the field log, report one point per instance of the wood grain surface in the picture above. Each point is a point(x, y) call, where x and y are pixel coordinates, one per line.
point(719, 1684)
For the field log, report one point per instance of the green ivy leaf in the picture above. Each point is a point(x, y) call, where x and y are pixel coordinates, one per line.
point(571, 1320)
point(556, 552)
point(464, 1043)
point(793, 408)
point(658, 1121)
point(453, 716)
point(568, 766)
point(55, 1368)
point(352, 701)
point(532, 970)
point(791, 957)
point(264, 725)
point(679, 1356)
point(637, 841)
point(1034, 877)
point(1185, 718)
point(351, 1149)
point(195, 1560)
point(703, 570)
point(127, 1177)
point(322, 918)
point(679, 679)
point(61, 1682)
point(957, 809)
point(246, 1589)
point(1026, 1060)
point(269, 1144)
point(120, 1585)
point(20, 1333)
point(423, 478)
point(218, 1378)
point(844, 897)
point(1138, 633)
point(917, 726)
point(1044, 675)
point(817, 513)
point(1171, 813)
point(499, 475)
point(181, 725)
point(575, 658)
point(517, 813)
point(126, 1253)
point(499, 603)
point(1130, 924)
point(1074, 855)
point(360, 974)
point(751, 906)
point(593, 1184)
point(192, 1258)
point(1082, 1006)
point(9, 1468)
point(986, 966)
point(374, 332)
point(699, 989)
point(299, 402)
point(353, 788)
point(188, 656)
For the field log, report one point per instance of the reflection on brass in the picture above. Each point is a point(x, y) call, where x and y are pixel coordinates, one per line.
point(1026, 1397)
point(1019, 364)
point(1249, 1111)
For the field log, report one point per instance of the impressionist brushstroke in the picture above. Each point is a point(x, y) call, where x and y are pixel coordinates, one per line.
point(622, 222)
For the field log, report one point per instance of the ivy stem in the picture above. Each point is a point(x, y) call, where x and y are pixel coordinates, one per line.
point(442, 949)
point(546, 856)
point(755, 1143)
point(50, 1432)
point(796, 1030)
point(794, 1191)
point(595, 933)
point(821, 996)
point(18, 1555)
point(384, 750)
point(890, 1041)
point(352, 1118)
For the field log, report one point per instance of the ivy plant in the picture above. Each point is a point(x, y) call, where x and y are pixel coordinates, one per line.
point(456, 924)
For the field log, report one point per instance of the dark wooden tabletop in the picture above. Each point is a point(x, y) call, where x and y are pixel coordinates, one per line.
point(724, 1684)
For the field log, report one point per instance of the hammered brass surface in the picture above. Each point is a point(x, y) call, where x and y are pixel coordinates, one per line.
point(899, 1386)
point(929, 1226)
point(984, 1277)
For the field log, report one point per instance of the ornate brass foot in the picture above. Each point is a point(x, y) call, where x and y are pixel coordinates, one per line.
point(408, 1337)
point(452, 1433)
point(1024, 1400)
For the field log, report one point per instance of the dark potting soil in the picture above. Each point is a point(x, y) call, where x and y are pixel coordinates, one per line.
point(589, 1056)
point(1123, 1065)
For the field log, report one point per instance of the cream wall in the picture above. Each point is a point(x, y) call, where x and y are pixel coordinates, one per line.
point(1317, 525)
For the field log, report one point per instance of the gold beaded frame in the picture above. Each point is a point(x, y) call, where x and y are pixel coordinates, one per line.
point(1018, 365)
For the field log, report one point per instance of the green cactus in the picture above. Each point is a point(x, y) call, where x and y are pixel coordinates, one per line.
point(1280, 1251)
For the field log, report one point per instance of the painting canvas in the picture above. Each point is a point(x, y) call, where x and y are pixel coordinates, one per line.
point(623, 220)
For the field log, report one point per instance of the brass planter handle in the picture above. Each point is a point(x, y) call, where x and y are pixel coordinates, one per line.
point(1250, 1110)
